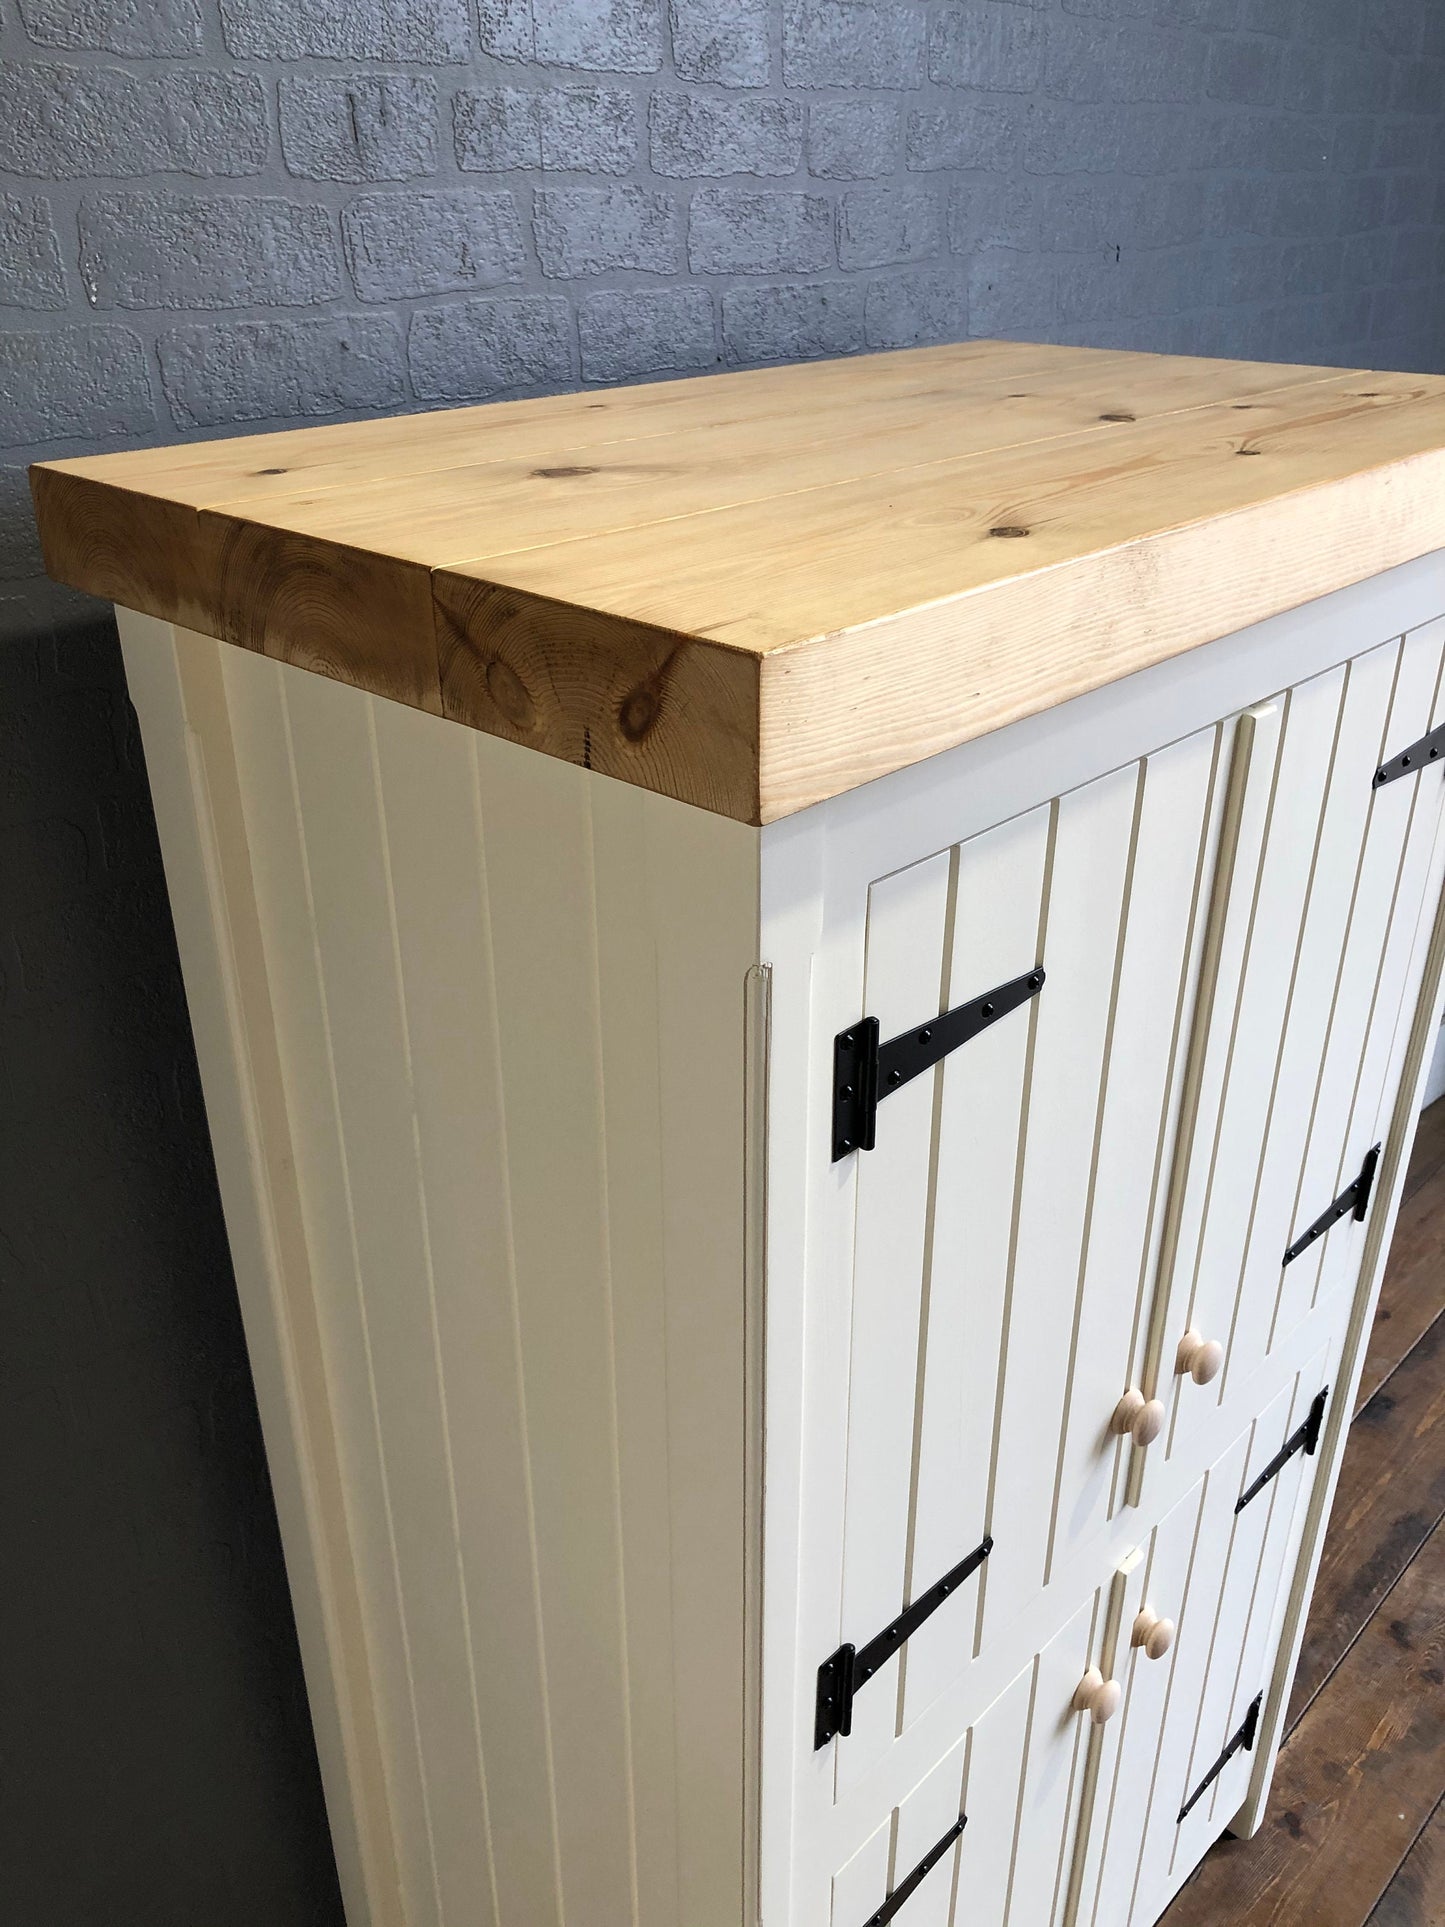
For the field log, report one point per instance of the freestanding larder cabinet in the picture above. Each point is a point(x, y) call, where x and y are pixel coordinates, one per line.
point(805, 1250)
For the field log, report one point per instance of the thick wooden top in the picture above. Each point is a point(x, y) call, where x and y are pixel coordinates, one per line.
point(756, 590)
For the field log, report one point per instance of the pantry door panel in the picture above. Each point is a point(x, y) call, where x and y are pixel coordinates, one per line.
point(1351, 1104)
point(1005, 1198)
point(1229, 1629)
point(998, 920)
point(1164, 1583)
point(1087, 911)
point(1245, 1045)
point(1266, 1539)
point(915, 1835)
point(1015, 1775)
point(1363, 728)
point(1180, 803)
point(1232, 894)
point(908, 921)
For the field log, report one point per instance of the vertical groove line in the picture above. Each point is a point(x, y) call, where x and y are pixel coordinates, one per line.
point(1006, 1320)
point(1166, 1106)
point(1027, 1752)
point(429, 1268)
point(519, 1351)
point(963, 1810)
point(1121, 935)
point(605, 1206)
point(925, 1293)
point(1201, 1024)
point(1241, 991)
point(344, 1162)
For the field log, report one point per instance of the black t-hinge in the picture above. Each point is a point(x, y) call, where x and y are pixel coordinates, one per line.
point(1409, 762)
point(1304, 1438)
point(1243, 1742)
point(843, 1674)
point(1355, 1197)
point(908, 1887)
point(865, 1071)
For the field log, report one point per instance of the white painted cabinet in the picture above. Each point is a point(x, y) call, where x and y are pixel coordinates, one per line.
point(1076, 1290)
point(712, 1499)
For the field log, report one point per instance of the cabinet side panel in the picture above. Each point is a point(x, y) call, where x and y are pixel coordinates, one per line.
point(193, 788)
point(508, 1009)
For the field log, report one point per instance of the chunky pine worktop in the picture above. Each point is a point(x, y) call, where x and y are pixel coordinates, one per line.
point(756, 590)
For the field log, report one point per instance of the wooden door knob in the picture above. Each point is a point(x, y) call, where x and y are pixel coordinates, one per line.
point(1097, 1696)
point(1200, 1357)
point(1141, 1418)
point(1154, 1634)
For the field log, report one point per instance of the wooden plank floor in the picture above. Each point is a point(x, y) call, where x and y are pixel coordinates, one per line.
point(1355, 1832)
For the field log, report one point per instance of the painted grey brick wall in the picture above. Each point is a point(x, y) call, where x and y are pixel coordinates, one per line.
point(240, 213)
point(218, 215)
point(245, 212)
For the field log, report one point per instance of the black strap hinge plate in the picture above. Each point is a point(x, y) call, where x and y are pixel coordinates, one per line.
point(1243, 1742)
point(844, 1673)
point(1304, 1438)
point(908, 1887)
point(1354, 1198)
point(1409, 762)
point(865, 1071)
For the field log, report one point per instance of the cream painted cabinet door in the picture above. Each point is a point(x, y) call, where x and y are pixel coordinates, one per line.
point(1224, 931)
point(1000, 1228)
point(1014, 1779)
point(1175, 1765)
point(1316, 911)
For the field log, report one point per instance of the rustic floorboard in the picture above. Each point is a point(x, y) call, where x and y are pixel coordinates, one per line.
point(1411, 1297)
point(1389, 1500)
point(1416, 1896)
point(1356, 1783)
point(1355, 1835)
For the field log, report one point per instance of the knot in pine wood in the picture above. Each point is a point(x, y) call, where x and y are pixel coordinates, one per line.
point(640, 710)
point(509, 693)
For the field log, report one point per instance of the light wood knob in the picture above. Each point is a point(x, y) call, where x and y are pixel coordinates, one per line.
point(1141, 1418)
point(1154, 1634)
point(1097, 1696)
point(1200, 1357)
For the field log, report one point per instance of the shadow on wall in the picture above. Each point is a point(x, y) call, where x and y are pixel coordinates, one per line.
point(160, 1765)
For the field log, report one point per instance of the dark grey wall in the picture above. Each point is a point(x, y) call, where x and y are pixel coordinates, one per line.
point(228, 213)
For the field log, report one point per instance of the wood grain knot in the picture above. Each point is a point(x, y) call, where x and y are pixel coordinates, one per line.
point(1009, 529)
point(557, 474)
point(270, 471)
point(640, 710)
point(509, 693)
point(1118, 415)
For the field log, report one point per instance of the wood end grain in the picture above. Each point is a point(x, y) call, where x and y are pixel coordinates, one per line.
point(357, 617)
point(664, 711)
point(140, 551)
